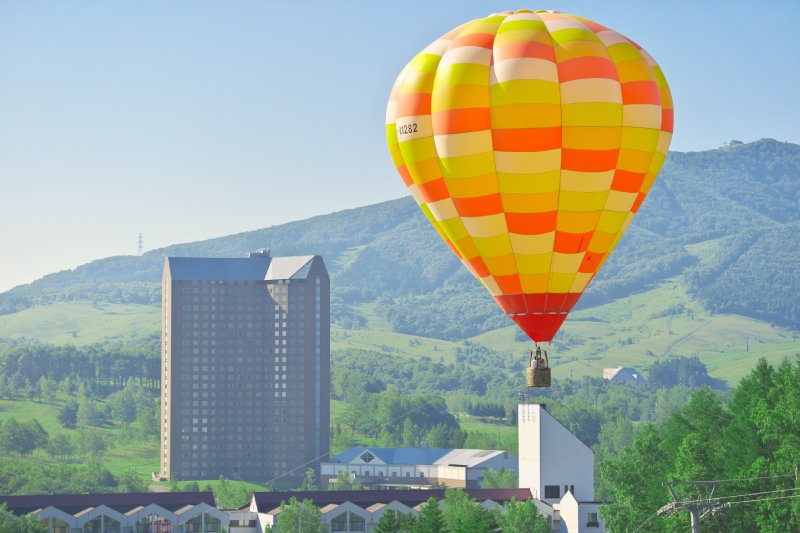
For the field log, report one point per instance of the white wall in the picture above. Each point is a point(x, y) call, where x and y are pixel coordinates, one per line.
point(550, 455)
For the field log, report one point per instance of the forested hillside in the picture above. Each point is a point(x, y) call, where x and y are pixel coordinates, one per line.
point(726, 218)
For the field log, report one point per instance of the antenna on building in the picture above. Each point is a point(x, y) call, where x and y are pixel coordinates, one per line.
point(141, 245)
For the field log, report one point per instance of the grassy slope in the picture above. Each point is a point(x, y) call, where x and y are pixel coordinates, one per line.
point(140, 457)
point(82, 322)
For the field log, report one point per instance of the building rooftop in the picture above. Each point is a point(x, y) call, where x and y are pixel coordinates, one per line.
point(123, 503)
point(267, 501)
point(419, 456)
point(255, 267)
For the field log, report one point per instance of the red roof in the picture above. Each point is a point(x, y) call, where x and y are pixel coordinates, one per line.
point(267, 501)
point(122, 502)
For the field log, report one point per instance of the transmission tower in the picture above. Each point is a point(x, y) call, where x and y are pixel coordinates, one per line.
point(698, 508)
point(141, 245)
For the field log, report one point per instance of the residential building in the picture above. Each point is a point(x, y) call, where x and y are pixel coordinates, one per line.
point(623, 374)
point(416, 467)
point(245, 367)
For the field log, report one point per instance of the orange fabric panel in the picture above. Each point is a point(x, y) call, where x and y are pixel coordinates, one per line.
point(461, 120)
point(589, 160)
point(491, 204)
point(626, 181)
point(526, 139)
point(413, 104)
point(483, 40)
point(572, 243)
point(590, 262)
point(640, 92)
point(586, 67)
point(520, 49)
point(509, 284)
point(531, 223)
point(435, 190)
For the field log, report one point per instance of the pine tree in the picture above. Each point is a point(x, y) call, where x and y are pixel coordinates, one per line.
point(430, 518)
point(388, 523)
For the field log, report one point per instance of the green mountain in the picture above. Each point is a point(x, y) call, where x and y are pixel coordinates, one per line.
point(724, 221)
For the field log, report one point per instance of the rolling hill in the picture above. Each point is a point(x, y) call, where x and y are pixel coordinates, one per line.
point(717, 239)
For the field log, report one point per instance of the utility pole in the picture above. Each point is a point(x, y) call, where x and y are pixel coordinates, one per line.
point(698, 508)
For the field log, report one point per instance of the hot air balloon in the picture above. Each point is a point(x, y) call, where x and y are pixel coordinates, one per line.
point(529, 140)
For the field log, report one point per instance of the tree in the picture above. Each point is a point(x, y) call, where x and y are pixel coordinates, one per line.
point(9, 523)
point(499, 479)
point(68, 415)
point(344, 481)
point(522, 516)
point(16, 438)
point(60, 446)
point(430, 518)
point(463, 515)
point(388, 523)
point(299, 517)
point(48, 389)
point(88, 414)
point(309, 480)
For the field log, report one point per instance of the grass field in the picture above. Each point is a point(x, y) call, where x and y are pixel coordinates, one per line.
point(82, 323)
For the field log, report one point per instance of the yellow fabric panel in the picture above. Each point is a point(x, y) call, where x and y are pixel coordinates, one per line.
point(418, 150)
point(501, 266)
point(601, 242)
point(532, 244)
point(467, 166)
point(572, 34)
point(572, 180)
point(426, 62)
point(642, 116)
point(486, 226)
point(582, 48)
point(622, 52)
point(591, 90)
point(574, 222)
point(460, 74)
point(534, 283)
point(566, 263)
point(454, 229)
point(498, 245)
point(581, 201)
point(466, 247)
point(592, 137)
point(543, 202)
point(591, 114)
point(444, 210)
point(526, 116)
point(417, 82)
point(460, 97)
point(534, 263)
point(525, 92)
point(486, 25)
point(620, 201)
point(527, 162)
point(525, 68)
point(463, 144)
point(580, 282)
point(649, 178)
point(521, 29)
point(640, 138)
point(529, 183)
point(634, 70)
point(472, 187)
point(425, 171)
point(634, 160)
point(560, 282)
point(611, 221)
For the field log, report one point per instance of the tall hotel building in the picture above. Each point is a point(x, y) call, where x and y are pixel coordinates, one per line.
point(246, 367)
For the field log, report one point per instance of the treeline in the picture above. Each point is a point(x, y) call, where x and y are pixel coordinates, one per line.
point(391, 420)
point(752, 445)
point(23, 477)
point(102, 368)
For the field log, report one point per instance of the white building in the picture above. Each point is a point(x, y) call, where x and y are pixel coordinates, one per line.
point(623, 374)
point(416, 467)
point(558, 468)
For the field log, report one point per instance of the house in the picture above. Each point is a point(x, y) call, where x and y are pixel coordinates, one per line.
point(623, 374)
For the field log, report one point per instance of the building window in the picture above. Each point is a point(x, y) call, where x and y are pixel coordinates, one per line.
point(552, 492)
point(367, 457)
point(592, 520)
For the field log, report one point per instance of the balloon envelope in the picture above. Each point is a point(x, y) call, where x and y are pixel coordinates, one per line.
point(529, 140)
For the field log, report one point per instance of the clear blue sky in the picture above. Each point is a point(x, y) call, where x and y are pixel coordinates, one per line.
point(186, 120)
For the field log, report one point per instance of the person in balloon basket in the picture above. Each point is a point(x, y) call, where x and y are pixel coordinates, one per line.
point(539, 361)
